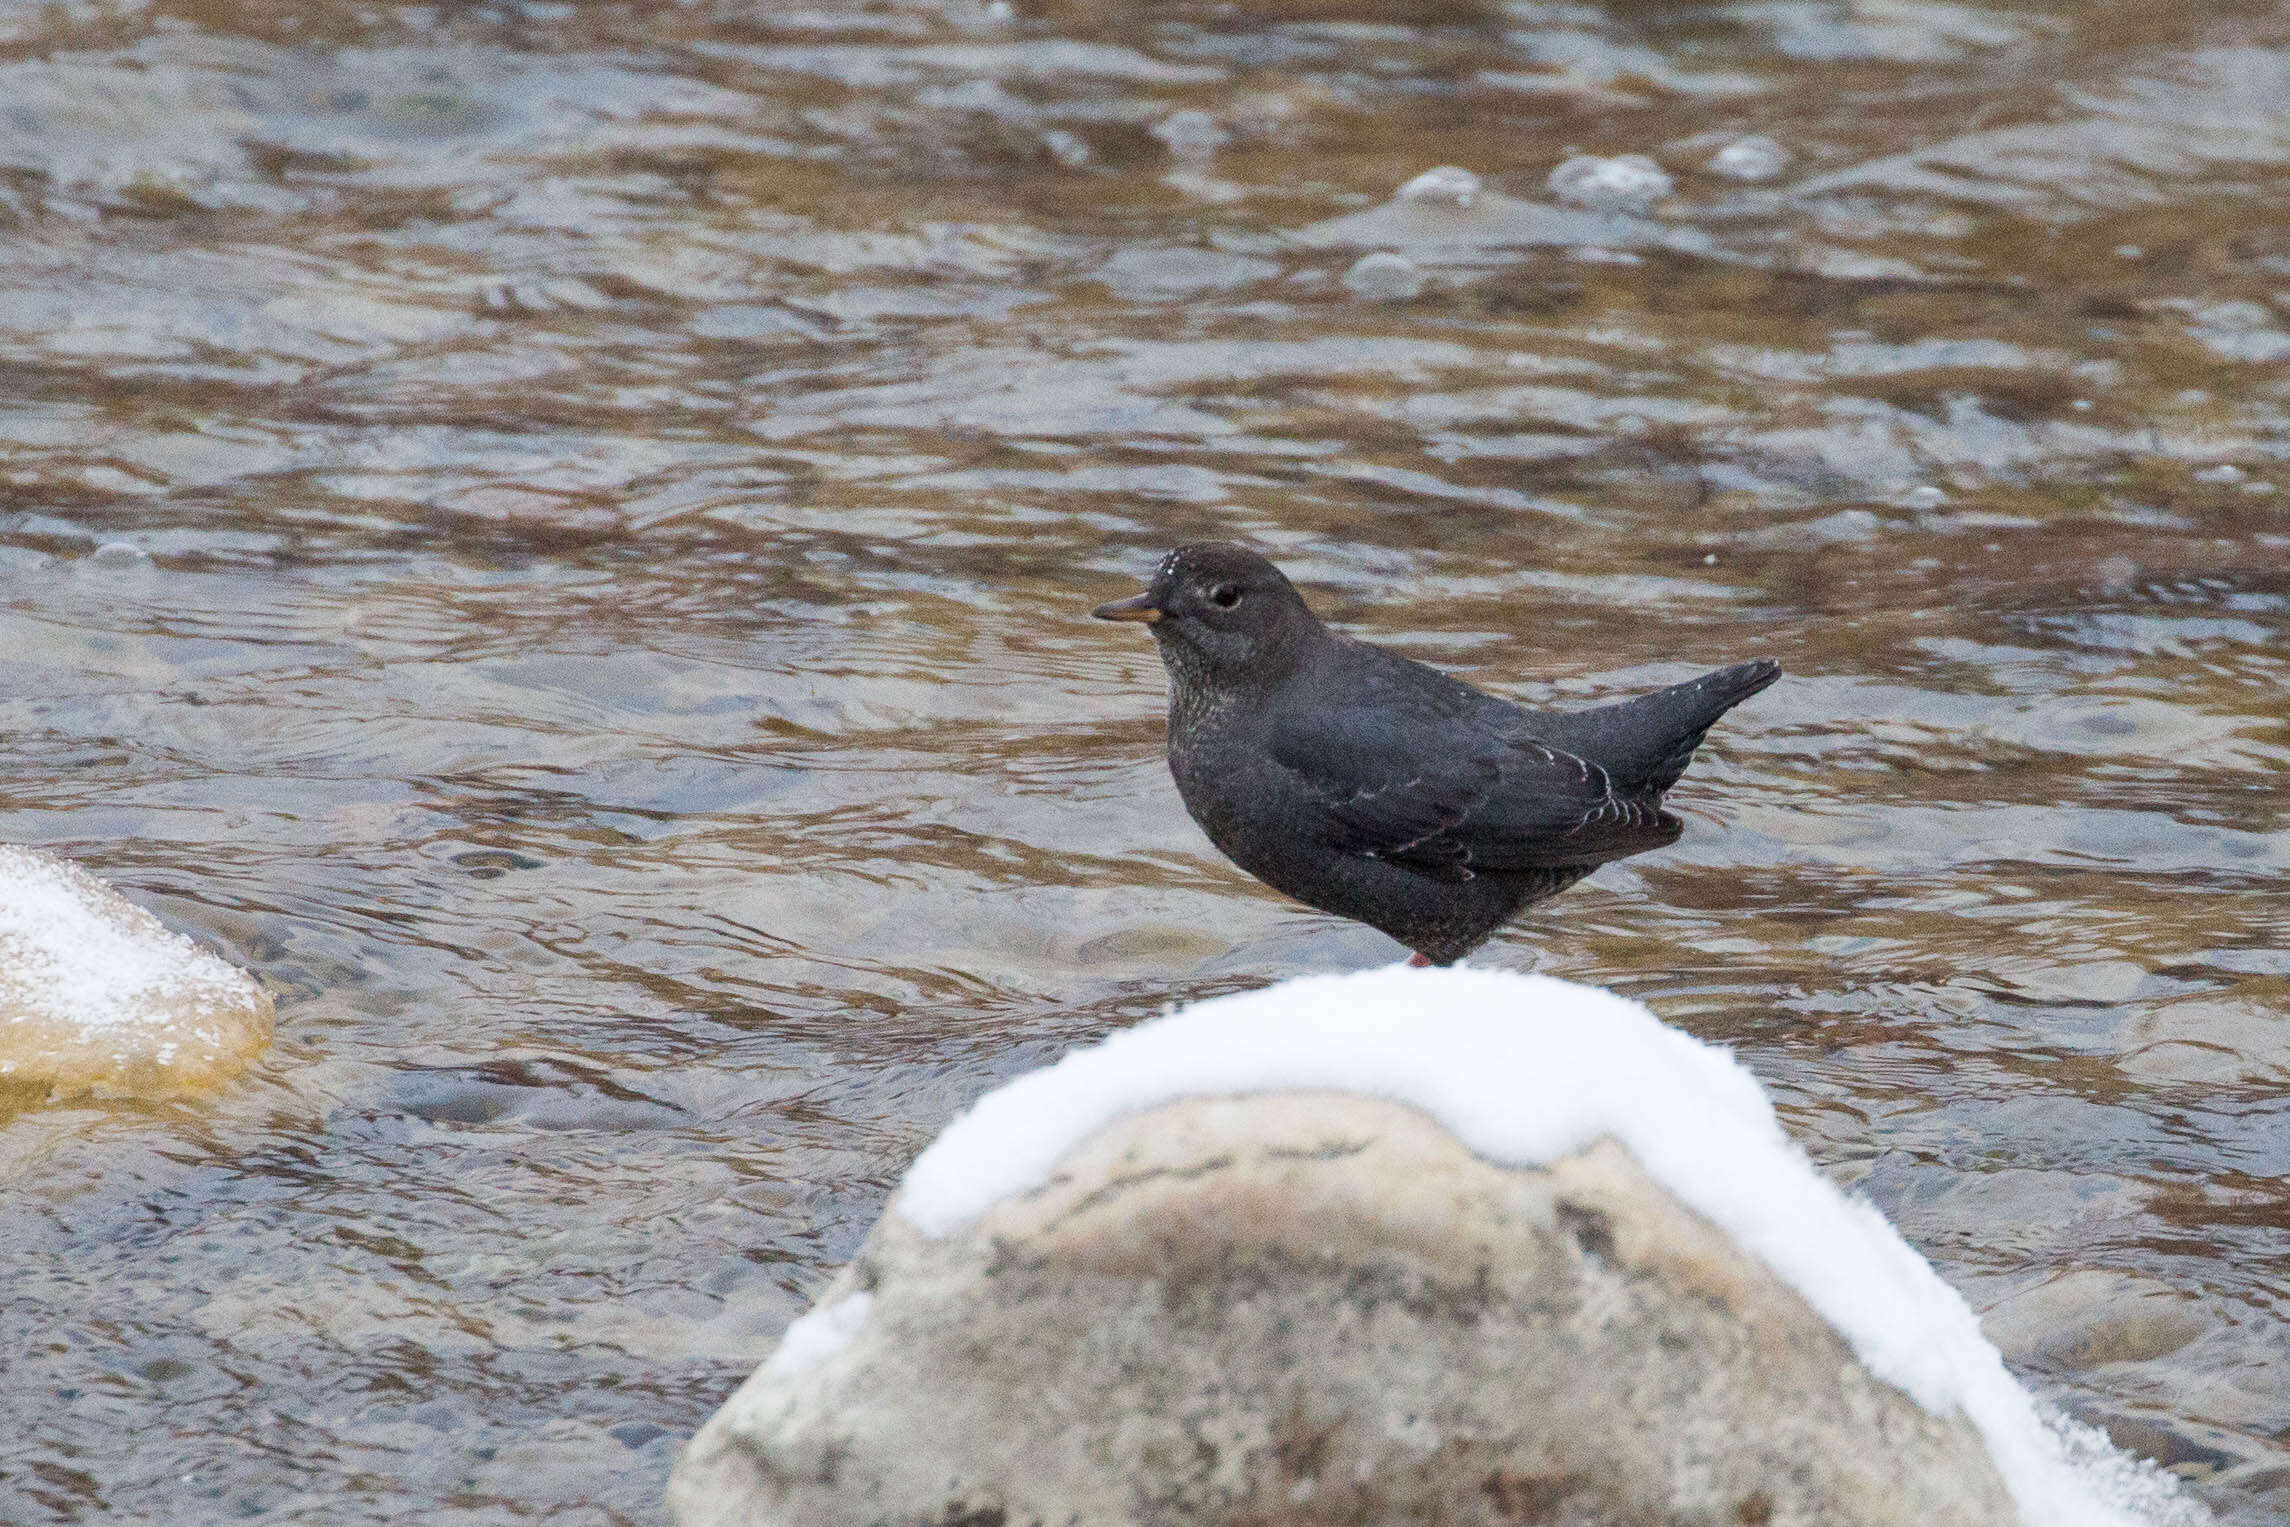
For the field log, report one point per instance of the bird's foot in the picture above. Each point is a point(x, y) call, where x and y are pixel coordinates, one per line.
point(1419, 961)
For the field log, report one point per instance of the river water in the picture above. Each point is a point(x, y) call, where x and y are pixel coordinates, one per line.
point(558, 537)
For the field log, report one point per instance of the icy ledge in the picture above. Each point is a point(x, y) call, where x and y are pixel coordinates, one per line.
point(1525, 1070)
point(97, 995)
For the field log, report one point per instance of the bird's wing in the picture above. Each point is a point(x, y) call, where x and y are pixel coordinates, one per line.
point(1449, 801)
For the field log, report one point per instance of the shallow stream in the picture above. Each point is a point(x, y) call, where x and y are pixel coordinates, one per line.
point(559, 535)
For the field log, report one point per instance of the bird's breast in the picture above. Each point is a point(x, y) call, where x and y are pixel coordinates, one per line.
point(1242, 799)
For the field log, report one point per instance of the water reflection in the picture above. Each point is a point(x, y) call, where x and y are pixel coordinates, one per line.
point(618, 488)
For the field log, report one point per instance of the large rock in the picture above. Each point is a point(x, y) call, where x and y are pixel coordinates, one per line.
point(1308, 1307)
point(1439, 1246)
point(97, 995)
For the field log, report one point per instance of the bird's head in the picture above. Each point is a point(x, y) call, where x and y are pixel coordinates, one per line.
point(1221, 613)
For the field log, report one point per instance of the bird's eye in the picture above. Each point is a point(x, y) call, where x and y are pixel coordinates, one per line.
point(1224, 596)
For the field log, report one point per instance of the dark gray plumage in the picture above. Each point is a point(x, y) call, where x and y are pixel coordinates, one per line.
point(1367, 785)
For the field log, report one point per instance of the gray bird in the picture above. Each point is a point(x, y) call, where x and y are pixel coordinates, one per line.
point(1367, 785)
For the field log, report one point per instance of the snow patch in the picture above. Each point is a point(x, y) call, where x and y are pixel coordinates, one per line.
point(81, 955)
point(96, 992)
point(1526, 1070)
point(814, 1337)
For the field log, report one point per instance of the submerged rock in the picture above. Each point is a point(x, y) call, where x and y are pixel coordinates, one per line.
point(1489, 228)
point(96, 994)
point(1625, 183)
point(1384, 277)
point(1752, 158)
point(1404, 1245)
point(1448, 184)
point(1191, 135)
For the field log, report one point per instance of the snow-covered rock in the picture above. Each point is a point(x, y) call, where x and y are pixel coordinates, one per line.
point(96, 994)
point(1400, 1245)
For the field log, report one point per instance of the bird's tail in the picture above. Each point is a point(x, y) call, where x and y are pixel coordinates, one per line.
point(1650, 740)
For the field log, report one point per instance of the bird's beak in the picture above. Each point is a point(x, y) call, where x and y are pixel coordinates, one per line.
point(1135, 607)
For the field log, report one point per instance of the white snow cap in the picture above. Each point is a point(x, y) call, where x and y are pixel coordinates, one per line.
point(84, 957)
point(814, 1337)
point(1525, 1070)
point(96, 992)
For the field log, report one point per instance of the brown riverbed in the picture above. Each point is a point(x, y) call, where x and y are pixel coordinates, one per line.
point(557, 536)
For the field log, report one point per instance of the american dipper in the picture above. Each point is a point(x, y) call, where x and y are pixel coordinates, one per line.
point(1367, 785)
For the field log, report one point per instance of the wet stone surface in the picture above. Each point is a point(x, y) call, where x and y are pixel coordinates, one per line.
point(557, 536)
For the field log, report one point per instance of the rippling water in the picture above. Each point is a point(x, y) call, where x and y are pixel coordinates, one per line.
point(558, 535)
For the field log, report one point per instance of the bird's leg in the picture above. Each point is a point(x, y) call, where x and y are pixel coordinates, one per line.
point(1419, 961)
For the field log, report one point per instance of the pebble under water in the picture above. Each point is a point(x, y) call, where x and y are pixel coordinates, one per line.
point(560, 538)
